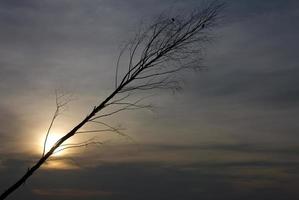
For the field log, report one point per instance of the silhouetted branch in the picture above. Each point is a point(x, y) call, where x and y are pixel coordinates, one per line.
point(86, 143)
point(61, 101)
point(167, 46)
point(115, 130)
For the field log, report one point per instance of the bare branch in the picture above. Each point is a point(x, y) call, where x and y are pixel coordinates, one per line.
point(78, 146)
point(167, 46)
point(61, 101)
point(116, 130)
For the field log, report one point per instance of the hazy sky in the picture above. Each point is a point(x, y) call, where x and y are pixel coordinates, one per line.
point(232, 133)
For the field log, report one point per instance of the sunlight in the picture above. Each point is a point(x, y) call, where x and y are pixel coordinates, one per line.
point(52, 139)
point(60, 165)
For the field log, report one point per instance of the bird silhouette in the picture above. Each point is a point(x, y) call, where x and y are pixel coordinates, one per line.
point(172, 19)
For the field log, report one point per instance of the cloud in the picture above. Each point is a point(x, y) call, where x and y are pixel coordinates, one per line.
point(60, 164)
point(232, 177)
point(11, 128)
point(255, 61)
point(71, 193)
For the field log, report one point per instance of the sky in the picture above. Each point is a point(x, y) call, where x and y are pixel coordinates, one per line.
point(230, 134)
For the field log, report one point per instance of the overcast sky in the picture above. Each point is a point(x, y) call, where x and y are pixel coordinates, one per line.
point(232, 133)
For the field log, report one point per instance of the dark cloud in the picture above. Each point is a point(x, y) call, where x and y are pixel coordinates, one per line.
point(149, 180)
point(262, 178)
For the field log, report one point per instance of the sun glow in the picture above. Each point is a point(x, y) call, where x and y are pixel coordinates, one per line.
point(52, 139)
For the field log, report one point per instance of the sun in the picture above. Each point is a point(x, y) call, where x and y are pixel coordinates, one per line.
point(52, 139)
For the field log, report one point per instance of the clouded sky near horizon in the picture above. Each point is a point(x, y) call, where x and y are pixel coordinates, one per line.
point(232, 133)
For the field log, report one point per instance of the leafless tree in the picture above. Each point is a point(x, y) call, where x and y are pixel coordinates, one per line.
point(151, 60)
